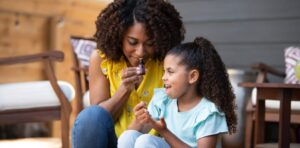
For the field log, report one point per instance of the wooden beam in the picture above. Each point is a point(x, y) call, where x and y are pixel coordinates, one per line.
point(42, 8)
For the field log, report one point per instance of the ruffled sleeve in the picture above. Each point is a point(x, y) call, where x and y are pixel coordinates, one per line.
point(158, 102)
point(210, 121)
point(103, 64)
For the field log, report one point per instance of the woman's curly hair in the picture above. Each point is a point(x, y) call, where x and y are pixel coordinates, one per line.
point(162, 23)
point(214, 82)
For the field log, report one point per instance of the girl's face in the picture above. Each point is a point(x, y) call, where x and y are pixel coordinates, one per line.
point(136, 44)
point(176, 77)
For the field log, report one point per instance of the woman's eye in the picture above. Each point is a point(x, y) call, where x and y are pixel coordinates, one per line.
point(149, 43)
point(132, 42)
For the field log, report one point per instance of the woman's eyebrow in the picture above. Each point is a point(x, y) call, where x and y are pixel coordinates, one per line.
point(132, 37)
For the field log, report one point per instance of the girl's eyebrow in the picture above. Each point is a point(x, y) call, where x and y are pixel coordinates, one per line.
point(168, 68)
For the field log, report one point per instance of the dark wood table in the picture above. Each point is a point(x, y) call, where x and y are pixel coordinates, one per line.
point(285, 93)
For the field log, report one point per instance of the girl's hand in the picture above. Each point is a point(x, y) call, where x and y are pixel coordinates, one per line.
point(131, 78)
point(141, 114)
point(158, 125)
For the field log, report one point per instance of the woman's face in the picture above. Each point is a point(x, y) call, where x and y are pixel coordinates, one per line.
point(176, 77)
point(136, 44)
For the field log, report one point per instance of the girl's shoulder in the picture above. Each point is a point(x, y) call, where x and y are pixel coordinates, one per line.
point(210, 120)
point(207, 108)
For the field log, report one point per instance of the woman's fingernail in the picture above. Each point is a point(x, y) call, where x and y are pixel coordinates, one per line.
point(138, 70)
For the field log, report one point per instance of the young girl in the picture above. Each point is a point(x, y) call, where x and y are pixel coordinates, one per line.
point(195, 106)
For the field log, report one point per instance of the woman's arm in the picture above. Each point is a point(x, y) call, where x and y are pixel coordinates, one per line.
point(100, 87)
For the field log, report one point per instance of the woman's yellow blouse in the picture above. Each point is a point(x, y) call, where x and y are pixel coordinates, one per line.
point(152, 79)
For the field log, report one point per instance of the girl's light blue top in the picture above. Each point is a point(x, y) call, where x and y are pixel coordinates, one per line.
point(202, 120)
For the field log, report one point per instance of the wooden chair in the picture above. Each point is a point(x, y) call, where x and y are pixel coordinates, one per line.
point(37, 101)
point(261, 110)
point(82, 49)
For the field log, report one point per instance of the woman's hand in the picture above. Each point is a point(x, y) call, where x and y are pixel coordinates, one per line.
point(100, 86)
point(131, 78)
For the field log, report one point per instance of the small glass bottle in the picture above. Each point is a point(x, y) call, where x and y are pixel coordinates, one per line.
point(142, 67)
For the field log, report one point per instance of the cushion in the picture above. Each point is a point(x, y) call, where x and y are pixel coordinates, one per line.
point(32, 94)
point(86, 99)
point(83, 49)
point(274, 104)
point(292, 65)
point(31, 143)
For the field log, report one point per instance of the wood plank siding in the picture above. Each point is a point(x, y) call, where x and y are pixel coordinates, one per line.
point(244, 32)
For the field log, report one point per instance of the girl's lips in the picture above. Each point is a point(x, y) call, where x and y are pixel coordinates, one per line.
point(167, 89)
point(167, 86)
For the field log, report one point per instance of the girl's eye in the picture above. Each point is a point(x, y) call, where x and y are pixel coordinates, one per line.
point(170, 71)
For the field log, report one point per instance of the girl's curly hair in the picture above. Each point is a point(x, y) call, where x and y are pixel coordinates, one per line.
point(162, 23)
point(214, 82)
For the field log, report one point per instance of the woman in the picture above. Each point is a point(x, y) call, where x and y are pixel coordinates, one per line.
point(127, 31)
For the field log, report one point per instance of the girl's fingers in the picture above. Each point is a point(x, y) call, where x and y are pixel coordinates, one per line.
point(140, 112)
point(139, 106)
point(144, 118)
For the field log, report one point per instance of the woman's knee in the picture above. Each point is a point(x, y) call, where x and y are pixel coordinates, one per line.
point(91, 121)
point(127, 138)
point(93, 116)
point(92, 124)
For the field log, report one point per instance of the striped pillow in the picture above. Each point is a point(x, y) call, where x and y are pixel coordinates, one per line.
point(292, 65)
point(83, 49)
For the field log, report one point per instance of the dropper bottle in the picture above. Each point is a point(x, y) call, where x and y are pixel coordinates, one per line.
point(142, 67)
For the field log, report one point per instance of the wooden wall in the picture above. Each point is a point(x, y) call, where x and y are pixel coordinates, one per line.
point(33, 26)
point(244, 32)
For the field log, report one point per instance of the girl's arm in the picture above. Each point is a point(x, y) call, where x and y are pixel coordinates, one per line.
point(161, 128)
point(175, 142)
point(99, 87)
point(207, 142)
